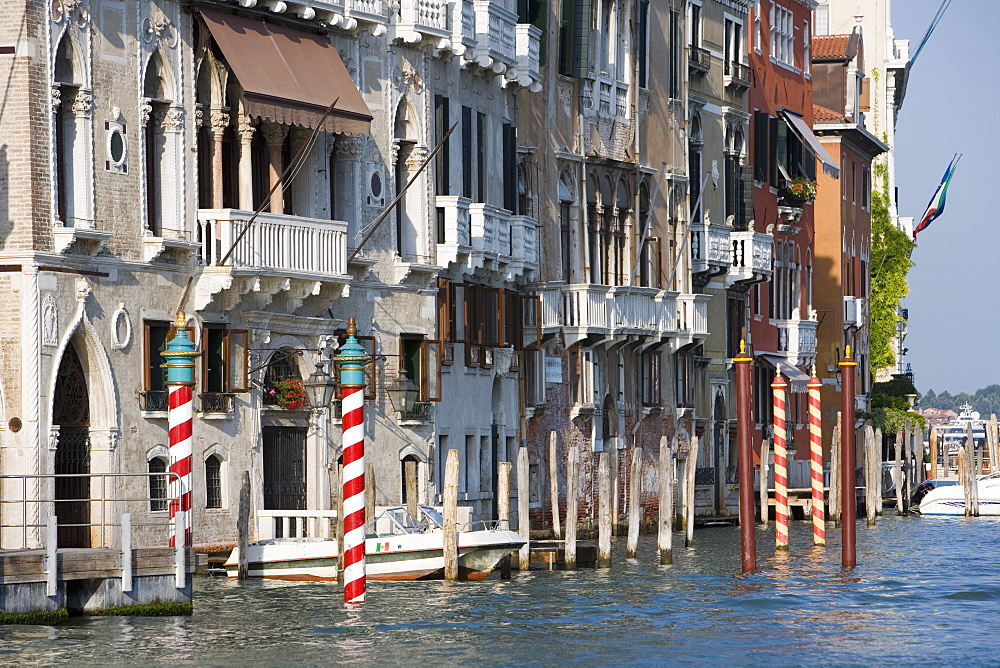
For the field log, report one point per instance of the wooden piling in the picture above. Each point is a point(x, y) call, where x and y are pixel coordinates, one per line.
point(243, 526)
point(634, 510)
point(451, 516)
point(692, 466)
point(665, 521)
point(615, 467)
point(765, 451)
point(933, 438)
point(835, 478)
point(604, 511)
point(554, 483)
point(339, 522)
point(972, 472)
point(991, 441)
point(410, 472)
point(503, 510)
point(370, 493)
point(898, 473)
point(523, 520)
point(572, 507)
point(878, 460)
point(908, 457)
point(963, 478)
point(873, 476)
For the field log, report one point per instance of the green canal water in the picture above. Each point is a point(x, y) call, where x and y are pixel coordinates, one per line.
point(926, 590)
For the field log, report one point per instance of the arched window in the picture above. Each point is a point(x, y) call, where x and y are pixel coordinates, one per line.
point(72, 136)
point(213, 482)
point(157, 484)
point(695, 143)
point(155, 142)
point(281, 367)
point(408, 472)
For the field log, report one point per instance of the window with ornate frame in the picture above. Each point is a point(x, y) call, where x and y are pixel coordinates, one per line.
point(157, 484)
point(213, 482)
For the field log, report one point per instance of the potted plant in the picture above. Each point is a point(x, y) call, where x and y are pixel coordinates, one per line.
point(288, 393)
point(801, 189)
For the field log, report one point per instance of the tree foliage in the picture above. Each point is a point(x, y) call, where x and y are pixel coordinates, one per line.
point(890, 405)
point(890, 263)
point(985, 400)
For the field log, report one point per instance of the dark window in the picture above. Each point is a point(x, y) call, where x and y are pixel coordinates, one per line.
point(214, 374)
point(772, 151)
point(574, 37)
point(674, 64)
point(467, 152)
point(760, 144)
point(481, 157)
point(157, 484)
point(650, 381)
point(643, 54)
point(224, 360)
point(213, 482)
point(694, 167)
point(155, 141)
point(204, 168)
point(510, 168)
point(260, 170)
point(284, 464)
point(442, 166)
point(736, 321)
point(288, 206)
point(156, 334)
point(230, 168)
point(564, 214)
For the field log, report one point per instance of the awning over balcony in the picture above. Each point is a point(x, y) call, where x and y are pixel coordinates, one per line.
point(805, 133)
point(289, 77)
point(797, 378)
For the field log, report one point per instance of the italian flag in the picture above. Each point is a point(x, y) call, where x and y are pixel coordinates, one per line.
point(936, 206)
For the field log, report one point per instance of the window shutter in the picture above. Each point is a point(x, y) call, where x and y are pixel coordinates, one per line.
point(760, 153)
point(236, 360)
point(430, 368)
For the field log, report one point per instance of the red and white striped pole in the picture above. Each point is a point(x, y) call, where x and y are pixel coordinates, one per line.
point(180, 354)
point(352, 382)
point(816, 460)
point(780, 465)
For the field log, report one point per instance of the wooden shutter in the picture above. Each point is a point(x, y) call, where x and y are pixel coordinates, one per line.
point(236, 344)
point(430, 371)
point(531, 322)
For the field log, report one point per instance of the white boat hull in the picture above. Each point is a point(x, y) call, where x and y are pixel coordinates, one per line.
point(418, 556)
point(950, 500)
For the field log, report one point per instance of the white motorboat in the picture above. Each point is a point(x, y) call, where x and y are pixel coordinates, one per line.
point(398, 546)
point(949, 498)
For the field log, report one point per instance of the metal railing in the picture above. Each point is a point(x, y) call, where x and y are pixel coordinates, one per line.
point(38, 525)
point(153, 400)
point(739, 74)
point(217, 402)
point(700, 59)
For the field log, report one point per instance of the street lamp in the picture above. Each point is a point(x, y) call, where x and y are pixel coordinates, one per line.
point(319, 387)
point(402, 392)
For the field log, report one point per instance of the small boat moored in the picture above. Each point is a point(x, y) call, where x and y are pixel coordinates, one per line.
point(398, 546)
point(948, 497)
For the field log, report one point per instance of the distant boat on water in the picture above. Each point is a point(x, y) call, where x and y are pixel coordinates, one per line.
point(952, 434)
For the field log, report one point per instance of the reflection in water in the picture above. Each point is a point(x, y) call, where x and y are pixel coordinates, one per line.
point(701, 609)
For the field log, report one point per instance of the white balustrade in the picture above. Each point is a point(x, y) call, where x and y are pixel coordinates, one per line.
point(495, 35)
point(422, 18)
point(619, 310)
point(797, 338)
point(751, 256)
point(277, 243)
point(463, 26)
point(524, 242)
point(295, 523)
point(527, 72)
point(551, 299)
point(586, 306)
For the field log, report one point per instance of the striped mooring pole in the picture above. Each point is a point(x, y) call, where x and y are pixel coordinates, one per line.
point(180, 354)
point(780, 465)
point(816, 460)
point(352, 360)
point(848, 486)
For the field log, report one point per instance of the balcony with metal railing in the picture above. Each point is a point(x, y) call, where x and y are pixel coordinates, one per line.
point(421, 20)
point(751, 257)
point(738, 75)
point(711, 249)
point(699, 60)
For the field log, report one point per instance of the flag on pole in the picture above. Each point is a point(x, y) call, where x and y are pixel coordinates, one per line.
point(936, 206)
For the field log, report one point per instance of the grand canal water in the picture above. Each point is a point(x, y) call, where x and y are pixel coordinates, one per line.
point(926, 590)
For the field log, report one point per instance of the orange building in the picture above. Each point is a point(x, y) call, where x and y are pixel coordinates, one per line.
point(842, 213)
point(782, 316)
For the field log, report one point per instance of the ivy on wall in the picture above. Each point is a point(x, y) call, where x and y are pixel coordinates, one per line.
point(890, 264)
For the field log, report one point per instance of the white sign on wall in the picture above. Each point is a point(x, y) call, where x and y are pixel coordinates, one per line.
point(553, 370)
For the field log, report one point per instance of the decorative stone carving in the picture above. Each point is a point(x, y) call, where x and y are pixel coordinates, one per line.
point(145, 109)
point(218, 121)
point(53, 437)
point(273, 133)
point(245, 128)
point(502, 359)
point(160, 27)
point(416, 158)
point(83, 290)
point(55, 98)
point(50, 322)
point(83, 103)
point(347, 149)
point(121, 328)
point(173, 119)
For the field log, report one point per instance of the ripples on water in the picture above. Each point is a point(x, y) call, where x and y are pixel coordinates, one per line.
point(925, 589)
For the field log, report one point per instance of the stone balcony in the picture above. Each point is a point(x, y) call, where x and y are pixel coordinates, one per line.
point(692, 316)
point(797, 340)
point(528, 49)
point(600, 311)
point(751, 258)
point(711, 249)
point(349, 15)
point(285, 252)
point(477, 235)
point(424, 20)
point(495, 36)
point(463, 27)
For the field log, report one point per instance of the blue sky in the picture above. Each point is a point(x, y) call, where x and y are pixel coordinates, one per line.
point(950, 106)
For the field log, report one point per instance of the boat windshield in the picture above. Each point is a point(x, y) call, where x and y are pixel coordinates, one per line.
point(432, 516)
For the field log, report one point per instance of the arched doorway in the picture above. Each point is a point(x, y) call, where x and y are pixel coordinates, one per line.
point(284, 445)
point(71, 412)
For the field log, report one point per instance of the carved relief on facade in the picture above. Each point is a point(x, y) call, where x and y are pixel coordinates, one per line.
point(50, 322)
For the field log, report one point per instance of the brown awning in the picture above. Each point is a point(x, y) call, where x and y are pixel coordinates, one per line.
point(289, 76)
